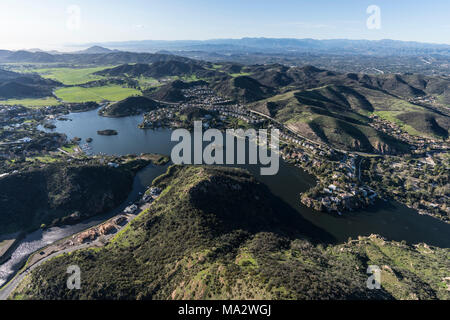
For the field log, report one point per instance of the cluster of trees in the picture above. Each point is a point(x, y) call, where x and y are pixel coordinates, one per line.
point(413, 184)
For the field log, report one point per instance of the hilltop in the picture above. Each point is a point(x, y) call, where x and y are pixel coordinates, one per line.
point(129, 106)
point(243, 89)
point(290, 45)
point(101, 57)
point(17, 85)
point(217, 233)
point(172, 92)
point(159, 69)
point(95, 49)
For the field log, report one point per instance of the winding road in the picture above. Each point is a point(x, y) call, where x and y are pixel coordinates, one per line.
point(8, 288)
point(12, 285)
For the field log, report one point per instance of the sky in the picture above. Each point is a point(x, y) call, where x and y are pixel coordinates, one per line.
point(51, 24)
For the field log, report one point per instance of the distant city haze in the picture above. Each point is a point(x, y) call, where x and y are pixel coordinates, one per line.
point(66, 25)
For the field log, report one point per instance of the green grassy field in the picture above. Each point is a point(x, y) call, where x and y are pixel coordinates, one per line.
point(71, 76)
point(49, 101)
point(234, 75)
point(97, 94)
point(43, 159)
point(191, 78)
point(186, 78)
point(147, 82)
point(391, 116)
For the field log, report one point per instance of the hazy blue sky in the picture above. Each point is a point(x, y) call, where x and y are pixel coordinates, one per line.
point(47, 23)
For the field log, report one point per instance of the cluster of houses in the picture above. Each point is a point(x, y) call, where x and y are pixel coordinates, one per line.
point(202, 95)
point(149, 196)
point(430, 102)
point(338, 199)
point(113, 225)
point(429, 200)
point(239, 112)
point(300, 142)
point(17, 114)
point(418, 144)
point(428, 99)
point(336, 196)
point(22, 130)
point(159, 118)
point(203, 98)
point(93, 233)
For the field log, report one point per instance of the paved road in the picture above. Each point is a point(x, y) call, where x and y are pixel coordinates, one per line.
point(359, 169)
point(363, 154)
point(9, 288)
point(6, 290)
point(283, 126)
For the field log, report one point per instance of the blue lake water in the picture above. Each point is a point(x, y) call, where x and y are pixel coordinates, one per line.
point(389, 219)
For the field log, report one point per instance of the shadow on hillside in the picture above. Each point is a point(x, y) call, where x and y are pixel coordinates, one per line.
point(250, 206)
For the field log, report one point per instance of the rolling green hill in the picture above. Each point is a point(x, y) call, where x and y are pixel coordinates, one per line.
point(217, 233)
point(428, 123)
point(172, 92)
point(244, 89)
point(129, 106)
point(308, 77)
point(160, 69)
point(335, 107)
point(337, 115)
point(19, 86)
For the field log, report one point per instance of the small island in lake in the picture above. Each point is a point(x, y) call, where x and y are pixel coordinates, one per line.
point(50, 126)
point(107, 132)
point(89, 140)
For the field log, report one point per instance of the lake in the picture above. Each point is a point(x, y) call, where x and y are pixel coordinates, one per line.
point(389, 219)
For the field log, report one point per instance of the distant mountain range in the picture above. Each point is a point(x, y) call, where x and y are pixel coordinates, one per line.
point(228, 47)
point(96, 49)
point(375, 57)
point(92, 55)
point(285, 45)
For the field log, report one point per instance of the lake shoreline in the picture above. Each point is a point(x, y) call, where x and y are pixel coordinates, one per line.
point(38, 239)
point(390, 220)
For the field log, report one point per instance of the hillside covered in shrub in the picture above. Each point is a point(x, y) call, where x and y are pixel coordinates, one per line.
point(61, 192)
point(217, 233)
